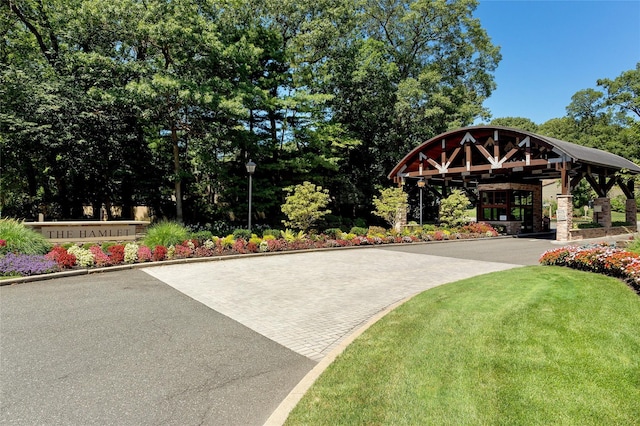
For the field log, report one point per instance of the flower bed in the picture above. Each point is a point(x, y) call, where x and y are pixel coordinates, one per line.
point(92, 255)
point(600, 258)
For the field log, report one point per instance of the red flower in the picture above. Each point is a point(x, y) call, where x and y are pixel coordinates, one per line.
point(116, 254)
point(159, 253)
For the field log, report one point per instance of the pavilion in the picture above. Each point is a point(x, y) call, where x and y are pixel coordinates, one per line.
point(501, 169)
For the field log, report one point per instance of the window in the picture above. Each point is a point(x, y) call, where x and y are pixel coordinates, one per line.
point(512, 205)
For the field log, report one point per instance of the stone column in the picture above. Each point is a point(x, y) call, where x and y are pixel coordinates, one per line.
point(602, 211)
point(631, 212)
point(564, 216)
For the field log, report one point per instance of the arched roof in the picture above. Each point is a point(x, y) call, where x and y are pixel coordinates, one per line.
point(482, 150)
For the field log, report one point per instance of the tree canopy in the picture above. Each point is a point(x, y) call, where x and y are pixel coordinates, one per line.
point(158, 103)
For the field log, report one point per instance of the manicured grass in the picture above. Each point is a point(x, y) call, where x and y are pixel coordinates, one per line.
point(533, 345)
point(620, 216)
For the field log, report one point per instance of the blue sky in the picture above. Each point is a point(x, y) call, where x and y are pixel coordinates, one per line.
point(552, 49)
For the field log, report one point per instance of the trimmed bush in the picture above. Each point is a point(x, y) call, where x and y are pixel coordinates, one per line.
point(20, 239)
point(333, 233)
point(202, 236)
point(245, 234)
point(358, 230)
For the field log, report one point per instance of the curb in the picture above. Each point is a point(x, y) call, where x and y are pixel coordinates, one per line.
point(280, 415)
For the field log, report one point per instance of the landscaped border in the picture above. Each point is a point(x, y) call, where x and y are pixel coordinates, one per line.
point(92, 257)
point(599, 258)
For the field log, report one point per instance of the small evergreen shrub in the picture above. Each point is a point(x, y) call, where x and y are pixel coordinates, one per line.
point(245, 234)
point(333, 233)
point(202, 236)
point(358, 230)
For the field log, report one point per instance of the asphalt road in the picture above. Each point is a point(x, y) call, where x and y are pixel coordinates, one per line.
point(123, 348)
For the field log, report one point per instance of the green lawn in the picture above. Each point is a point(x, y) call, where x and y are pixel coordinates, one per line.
point(533, 345)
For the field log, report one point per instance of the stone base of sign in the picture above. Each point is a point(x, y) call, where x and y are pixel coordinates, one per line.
point(90, 231)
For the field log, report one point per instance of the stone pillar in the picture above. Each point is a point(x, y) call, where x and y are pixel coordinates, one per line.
point(602, 211)
point(564, 216)
point(631, 211)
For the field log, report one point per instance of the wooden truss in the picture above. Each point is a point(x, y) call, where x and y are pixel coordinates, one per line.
point(482, 154)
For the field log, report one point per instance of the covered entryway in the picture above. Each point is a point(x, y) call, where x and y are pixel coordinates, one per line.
point(501, 169)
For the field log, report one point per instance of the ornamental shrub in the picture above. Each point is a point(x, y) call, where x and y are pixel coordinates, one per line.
point(333, 233)
point(165, 233)
point(245, 234)
point(304, 205)
point(202, 236)
point(144, 254)
point(131, 252)
point(116, 254)
point(358, 230)
point(100, 257)
point(60, 255)
point(453, 208)
point(159, 253)
point(391, 206)
point(21, 239)
point(84, 257)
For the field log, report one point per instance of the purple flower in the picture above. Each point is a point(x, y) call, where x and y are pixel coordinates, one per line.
point(26, 264)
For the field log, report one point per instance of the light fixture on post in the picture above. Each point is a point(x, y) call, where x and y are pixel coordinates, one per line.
point(251, 168)
point(421, 185)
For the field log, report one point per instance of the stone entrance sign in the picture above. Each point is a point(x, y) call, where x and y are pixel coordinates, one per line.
point(88, 231)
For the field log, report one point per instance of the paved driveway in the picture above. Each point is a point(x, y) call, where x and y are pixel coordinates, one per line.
point(215, 343)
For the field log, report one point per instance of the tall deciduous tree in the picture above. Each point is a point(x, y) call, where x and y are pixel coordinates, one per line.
point(419, 68)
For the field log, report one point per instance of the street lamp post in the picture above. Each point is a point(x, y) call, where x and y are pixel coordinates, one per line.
point(421, 184)
point(251, 168)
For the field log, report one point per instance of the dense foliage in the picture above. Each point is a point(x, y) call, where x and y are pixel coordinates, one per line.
point(129, 102)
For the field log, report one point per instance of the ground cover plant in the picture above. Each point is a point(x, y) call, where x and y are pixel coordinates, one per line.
point(533, 345)
point(167, 241)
